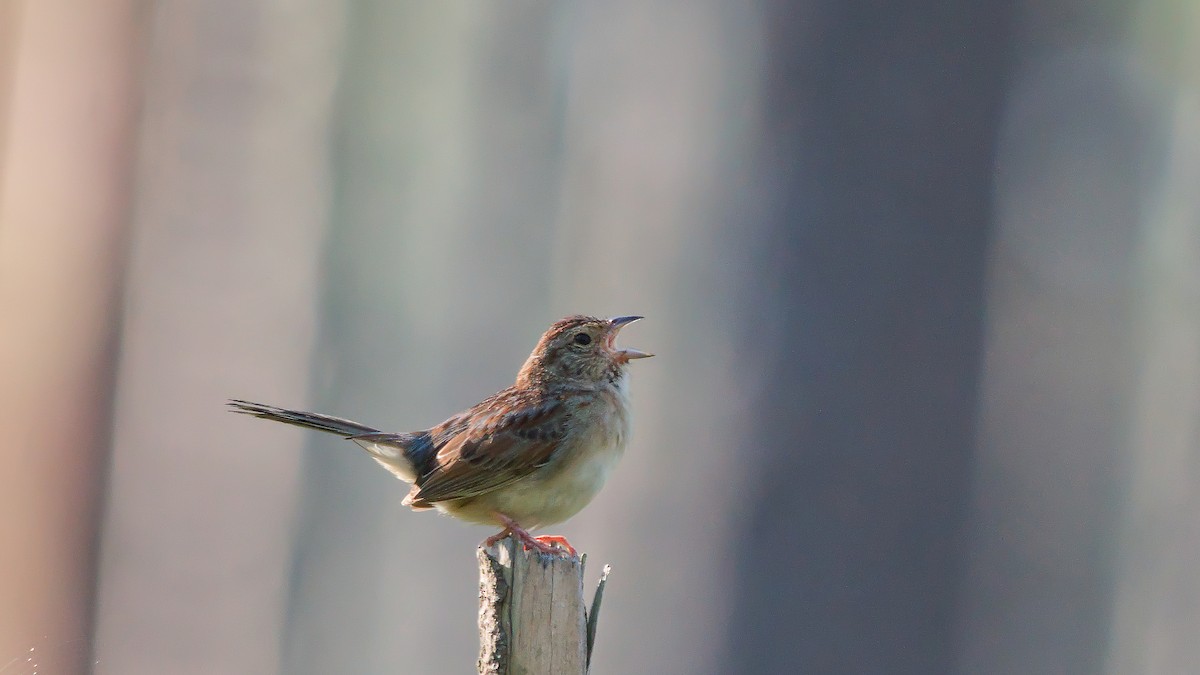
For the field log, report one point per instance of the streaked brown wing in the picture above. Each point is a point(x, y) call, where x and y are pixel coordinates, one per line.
point(490, 451)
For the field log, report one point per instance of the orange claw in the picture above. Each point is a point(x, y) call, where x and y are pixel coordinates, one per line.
point(544, 544)
point(553, 539)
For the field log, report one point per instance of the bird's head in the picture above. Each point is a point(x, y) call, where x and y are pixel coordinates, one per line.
point(579, 350)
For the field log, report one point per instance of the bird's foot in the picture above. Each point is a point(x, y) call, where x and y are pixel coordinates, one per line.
point(558, 542)
point(549, 544)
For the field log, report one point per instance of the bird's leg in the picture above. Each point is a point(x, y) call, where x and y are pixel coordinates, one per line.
point(539, 544)
point(491, 541)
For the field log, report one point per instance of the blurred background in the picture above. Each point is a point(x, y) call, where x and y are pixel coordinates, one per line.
point(923, 280)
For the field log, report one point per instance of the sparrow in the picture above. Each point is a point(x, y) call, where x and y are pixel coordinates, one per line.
point(529, 456)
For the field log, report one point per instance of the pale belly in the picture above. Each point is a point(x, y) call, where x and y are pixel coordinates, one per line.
point(552, 497)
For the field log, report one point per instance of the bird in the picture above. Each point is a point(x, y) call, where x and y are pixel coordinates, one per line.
point(530, 456)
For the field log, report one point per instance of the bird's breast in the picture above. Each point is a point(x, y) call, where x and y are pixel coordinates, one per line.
point(578, 470)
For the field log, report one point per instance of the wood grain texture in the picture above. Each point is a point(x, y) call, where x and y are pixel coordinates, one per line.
point(532, 616)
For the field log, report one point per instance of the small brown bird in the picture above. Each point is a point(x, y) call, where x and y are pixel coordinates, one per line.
point(529, 456)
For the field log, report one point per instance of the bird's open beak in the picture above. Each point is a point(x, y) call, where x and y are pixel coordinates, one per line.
point(624, 355)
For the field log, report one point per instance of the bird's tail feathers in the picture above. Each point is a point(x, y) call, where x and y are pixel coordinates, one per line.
point(401, 454)
point(326, 423)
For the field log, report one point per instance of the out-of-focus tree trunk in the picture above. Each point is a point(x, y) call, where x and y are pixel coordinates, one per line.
point(69, 97)
point(1156, 602)
point(1059, 370)
point(1156, 595)
point(232, 207)
point(878, 150)
point(1082, 546)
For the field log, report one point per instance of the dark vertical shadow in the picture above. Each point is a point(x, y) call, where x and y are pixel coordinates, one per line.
point(877, 149)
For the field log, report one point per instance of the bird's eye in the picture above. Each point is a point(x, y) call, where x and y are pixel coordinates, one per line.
point(583, 339)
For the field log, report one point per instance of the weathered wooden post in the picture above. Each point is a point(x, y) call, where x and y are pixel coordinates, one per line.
point(532, 615)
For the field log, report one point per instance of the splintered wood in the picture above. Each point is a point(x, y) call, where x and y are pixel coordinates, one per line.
point(532, 616)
